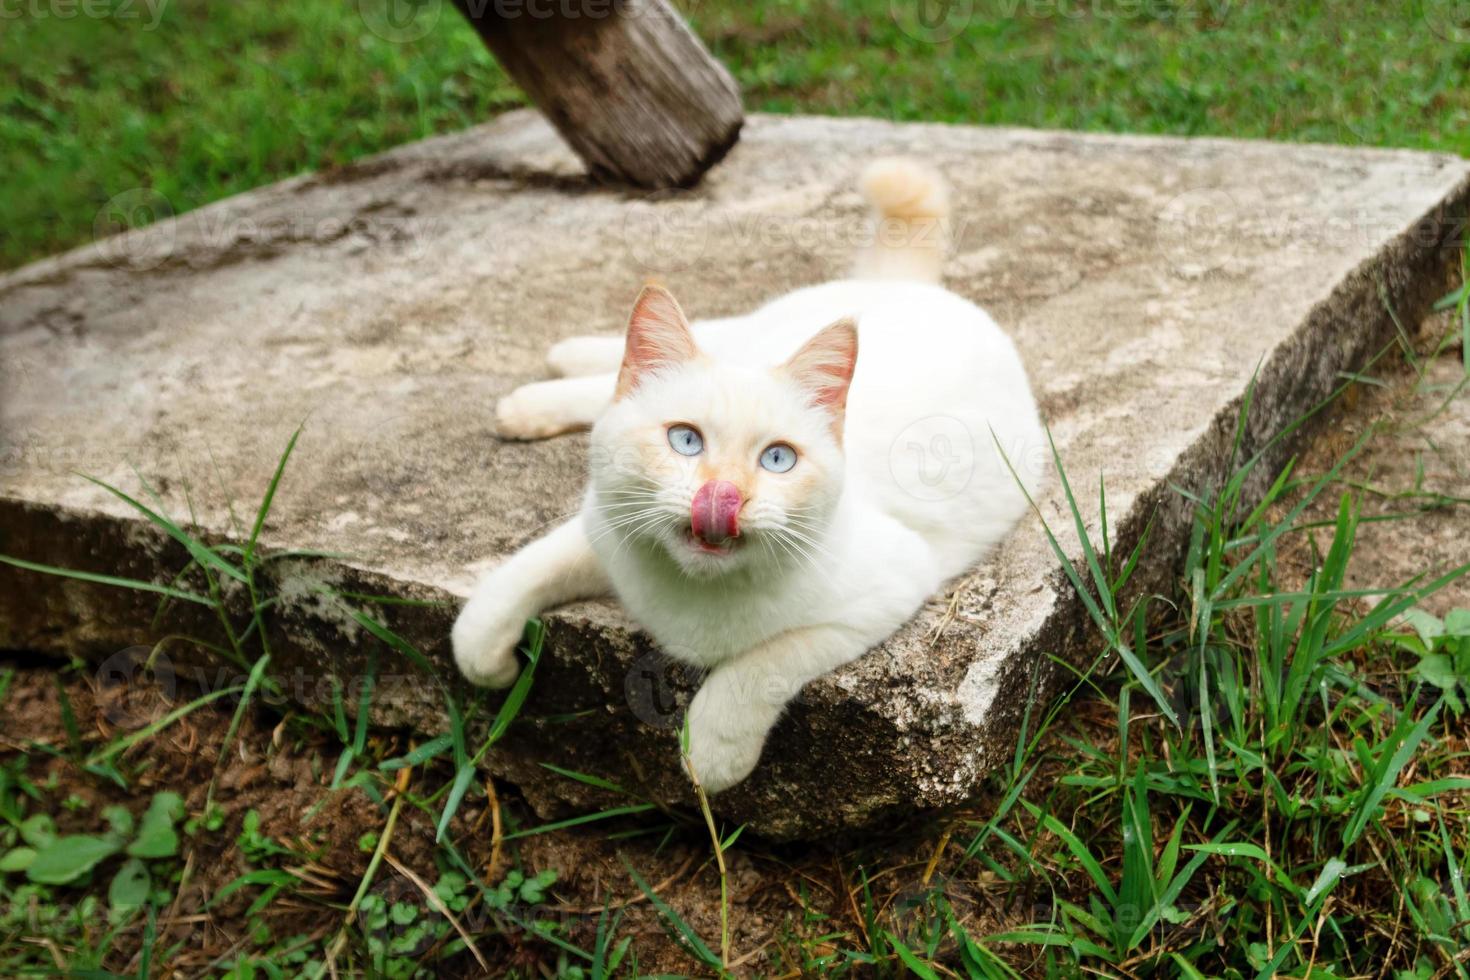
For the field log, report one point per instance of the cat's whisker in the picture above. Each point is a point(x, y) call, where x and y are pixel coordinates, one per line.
point(628, 510)
point(808, 540)
point(820, 562)
point(559, 519)
point(652, 523)
point(626, 502)
point(633, 524)
point(787, 548)
point(614, 516)
point(802, 558)
point(619, 520)
point(810, 559)
point(626, 492)
point(818, 547)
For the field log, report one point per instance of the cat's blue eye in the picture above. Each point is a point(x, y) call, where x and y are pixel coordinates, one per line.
point(778, 458)
point(686, 440)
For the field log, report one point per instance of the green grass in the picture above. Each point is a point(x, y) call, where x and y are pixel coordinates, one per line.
point(218, 98)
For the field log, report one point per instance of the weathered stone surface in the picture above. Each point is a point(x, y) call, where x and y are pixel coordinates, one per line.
point(1145, 280)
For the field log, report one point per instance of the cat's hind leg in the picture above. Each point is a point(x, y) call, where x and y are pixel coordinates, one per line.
point(576, 357)
point(549, 408)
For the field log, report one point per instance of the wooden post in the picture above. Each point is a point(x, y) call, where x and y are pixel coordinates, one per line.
point(625, 82)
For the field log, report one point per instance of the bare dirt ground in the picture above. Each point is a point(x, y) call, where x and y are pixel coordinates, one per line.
point(1410, 426)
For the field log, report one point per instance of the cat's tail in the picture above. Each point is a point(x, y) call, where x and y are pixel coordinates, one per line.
point(911, 221)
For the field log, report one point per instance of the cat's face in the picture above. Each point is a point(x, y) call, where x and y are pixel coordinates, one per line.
point(721, 466)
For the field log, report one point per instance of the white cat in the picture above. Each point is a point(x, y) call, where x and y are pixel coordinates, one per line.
point(765, 500)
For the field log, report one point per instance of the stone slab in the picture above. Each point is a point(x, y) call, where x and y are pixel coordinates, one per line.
point(387, 305)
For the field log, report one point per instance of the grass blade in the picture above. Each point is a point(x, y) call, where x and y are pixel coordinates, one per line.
point(457, 791)
point(681, 931)
point(431, 749)
point(620, 811)
point(911, 959)
point(122, 583)
point(1405, 739)
point(270, 495)
point(142, 734)
point(1079, 850)
point(197, 549)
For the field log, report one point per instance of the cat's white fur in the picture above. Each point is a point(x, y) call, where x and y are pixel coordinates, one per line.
point(903, 490)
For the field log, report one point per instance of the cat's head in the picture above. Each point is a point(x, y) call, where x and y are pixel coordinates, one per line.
point(723, 466)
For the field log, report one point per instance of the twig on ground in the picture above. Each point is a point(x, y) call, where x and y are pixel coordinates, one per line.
point(497, 833)
point(634, 900)
point(400, 788)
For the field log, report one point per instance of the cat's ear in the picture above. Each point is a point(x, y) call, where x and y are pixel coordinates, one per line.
point(824, 366)
point(658, 336)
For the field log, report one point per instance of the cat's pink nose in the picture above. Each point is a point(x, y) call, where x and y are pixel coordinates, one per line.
point(715, 512)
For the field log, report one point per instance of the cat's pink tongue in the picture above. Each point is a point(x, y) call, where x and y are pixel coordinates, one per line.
point(714, 514)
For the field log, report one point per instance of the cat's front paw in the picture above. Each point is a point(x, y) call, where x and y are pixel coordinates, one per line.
point(718, 758)
point(529, 412)
point(717, 765)
point(484, 640)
